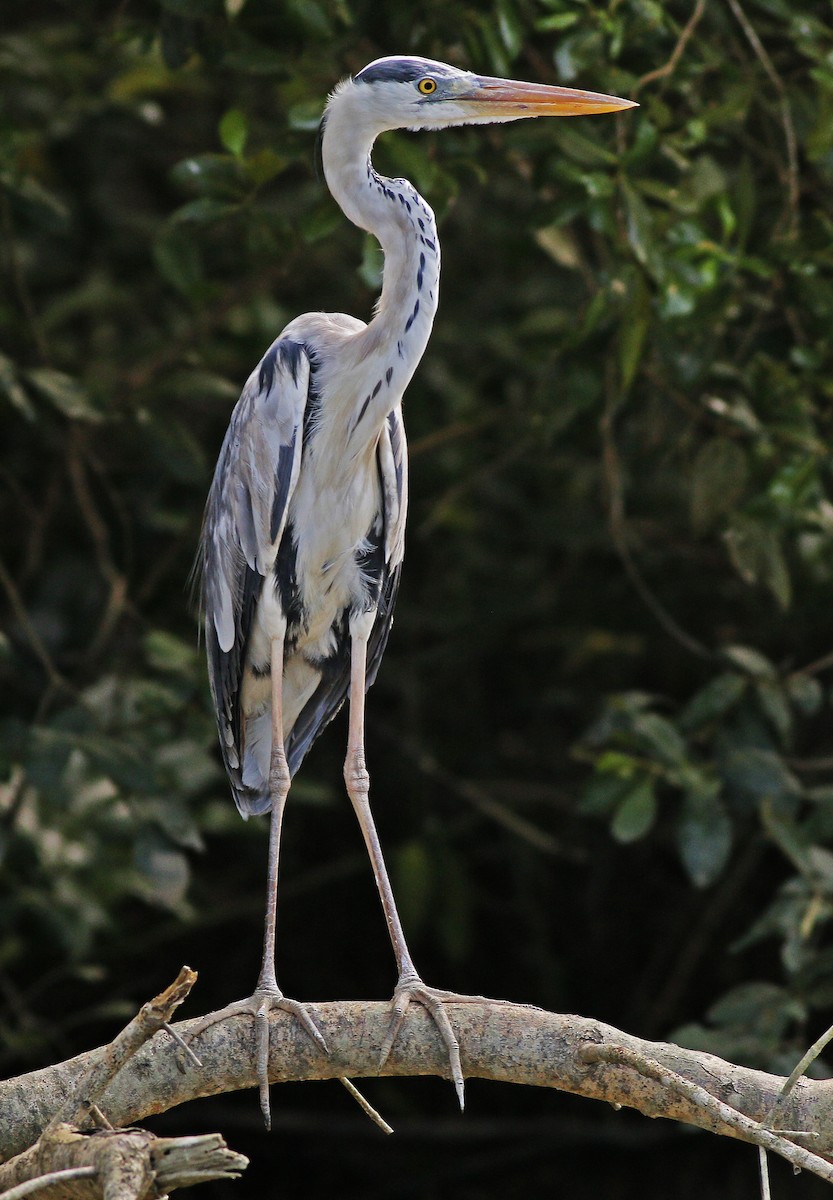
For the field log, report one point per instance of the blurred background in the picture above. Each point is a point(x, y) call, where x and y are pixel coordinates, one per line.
point(600, 741)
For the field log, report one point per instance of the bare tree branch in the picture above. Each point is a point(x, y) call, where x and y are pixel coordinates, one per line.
point(103, 1163)
point(150, 1018)
point(746, 1128)
point(514, 1044)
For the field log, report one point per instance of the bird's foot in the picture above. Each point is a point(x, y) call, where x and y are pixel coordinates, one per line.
point(264, 1001)
point(411, 988)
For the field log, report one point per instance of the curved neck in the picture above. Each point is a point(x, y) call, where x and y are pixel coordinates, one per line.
point(394, 212)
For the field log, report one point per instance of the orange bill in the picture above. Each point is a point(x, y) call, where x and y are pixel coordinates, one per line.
point(505, 96)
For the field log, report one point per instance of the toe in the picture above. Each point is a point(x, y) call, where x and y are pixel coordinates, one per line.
point(400, 1005)
point(262, 1061)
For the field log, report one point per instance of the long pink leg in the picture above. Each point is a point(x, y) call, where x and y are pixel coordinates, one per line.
point(267, 995)
point(409, 985)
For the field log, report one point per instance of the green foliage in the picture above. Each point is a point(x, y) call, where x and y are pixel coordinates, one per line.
point(614, 620)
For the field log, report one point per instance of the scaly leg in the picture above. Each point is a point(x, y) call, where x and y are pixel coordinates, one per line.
point(409, 985)
point(267, 995)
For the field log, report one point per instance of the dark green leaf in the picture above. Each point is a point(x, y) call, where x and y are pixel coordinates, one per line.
point(704, 835)
point(713, 701)
point(756, 553)
point(205, 211)
point(718, 482)
point(760, 773)
point(806, 693)
point(163, 869)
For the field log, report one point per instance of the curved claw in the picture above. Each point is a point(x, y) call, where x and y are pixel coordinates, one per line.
point(433, 1001)
point(268, 1002)
point(401, 1001)
point(301, 1014)
point(259, 1006)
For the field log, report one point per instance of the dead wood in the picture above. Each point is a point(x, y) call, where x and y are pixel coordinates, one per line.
point(80, 1156)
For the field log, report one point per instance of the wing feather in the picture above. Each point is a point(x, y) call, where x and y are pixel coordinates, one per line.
point(245, 517)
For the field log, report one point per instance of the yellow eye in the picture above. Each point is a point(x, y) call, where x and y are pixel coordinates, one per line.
point(427, 86)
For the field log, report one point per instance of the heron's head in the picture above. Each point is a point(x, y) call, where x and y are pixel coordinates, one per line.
point(407, 92)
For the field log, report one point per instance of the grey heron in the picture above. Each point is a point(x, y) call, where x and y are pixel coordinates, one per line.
point(303, 537)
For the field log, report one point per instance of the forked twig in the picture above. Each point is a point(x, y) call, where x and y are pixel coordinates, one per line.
point(746, 1127)
point(150, 1018)
point(676, 54)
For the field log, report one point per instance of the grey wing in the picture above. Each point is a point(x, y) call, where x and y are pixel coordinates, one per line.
point(393, 473)
point(245, 516)
point(328, 697)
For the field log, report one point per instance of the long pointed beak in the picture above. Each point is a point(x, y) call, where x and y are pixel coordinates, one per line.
point(505, 96)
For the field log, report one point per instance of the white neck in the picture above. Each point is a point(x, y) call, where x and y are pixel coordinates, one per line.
point(394, 212)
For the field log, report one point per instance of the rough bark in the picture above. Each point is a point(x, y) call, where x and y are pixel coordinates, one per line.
point(98, 1162)
point(120, 1164)
point(514, 1044)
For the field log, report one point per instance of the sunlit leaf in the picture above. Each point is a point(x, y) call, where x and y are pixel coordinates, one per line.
point(67, 394)
point(234, 131)
point(11, 388)
point(635, 812)
point(750, 660)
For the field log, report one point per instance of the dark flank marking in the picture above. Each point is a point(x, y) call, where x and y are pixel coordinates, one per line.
point(431, 245)
point(362, 411)
point(421, 224)
point(399, 348)
point(377, 389)
point(388, 375)
point(286, 579)
point(283, 474)
point(420, 271)
point(396, 448)
point(412, 317)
